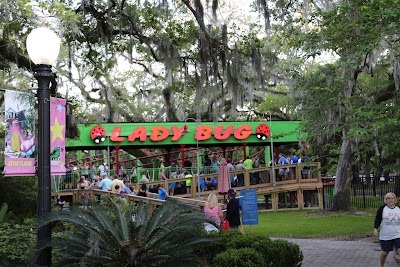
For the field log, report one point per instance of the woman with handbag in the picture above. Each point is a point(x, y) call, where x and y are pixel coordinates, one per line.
point(213, 210)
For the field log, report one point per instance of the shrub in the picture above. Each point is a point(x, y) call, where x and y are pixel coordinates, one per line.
point(25, 204)
point(281, 253)
point(277, 253)
point(17, 241)
point(242, 257)
point(253, 241)
point(219, 245)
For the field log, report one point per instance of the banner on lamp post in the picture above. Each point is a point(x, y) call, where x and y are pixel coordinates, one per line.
point(57, 135)
point(20, 134)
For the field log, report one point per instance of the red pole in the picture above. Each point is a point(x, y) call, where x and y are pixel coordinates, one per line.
point(244, 150)
point(167, 157)
point(183, 154)
point(116, 160)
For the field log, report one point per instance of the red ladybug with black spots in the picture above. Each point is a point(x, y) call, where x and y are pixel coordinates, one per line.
point(98, 134)
point(263, 131)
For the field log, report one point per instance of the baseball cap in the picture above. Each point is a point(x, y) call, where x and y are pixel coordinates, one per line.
point(231, 192)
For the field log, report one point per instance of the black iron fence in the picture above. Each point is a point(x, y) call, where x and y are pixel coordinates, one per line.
point(367, 191)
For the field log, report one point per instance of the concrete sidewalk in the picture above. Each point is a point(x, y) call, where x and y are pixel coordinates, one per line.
point(333, 253)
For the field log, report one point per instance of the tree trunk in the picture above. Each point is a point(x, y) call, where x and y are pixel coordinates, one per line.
point(341, 197)
point(167, 94)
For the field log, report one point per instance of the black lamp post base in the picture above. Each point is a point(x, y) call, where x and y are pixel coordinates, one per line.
point(44, 75)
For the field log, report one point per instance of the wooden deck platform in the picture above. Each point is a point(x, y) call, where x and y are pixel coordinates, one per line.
point(294, 192)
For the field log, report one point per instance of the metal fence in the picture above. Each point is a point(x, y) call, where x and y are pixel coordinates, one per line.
point(367, 191)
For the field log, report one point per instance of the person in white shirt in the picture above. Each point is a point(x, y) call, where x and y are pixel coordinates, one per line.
point(103, 169)
point(388, 221)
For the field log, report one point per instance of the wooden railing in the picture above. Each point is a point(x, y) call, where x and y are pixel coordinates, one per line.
point(81, 195)
point(294, 190)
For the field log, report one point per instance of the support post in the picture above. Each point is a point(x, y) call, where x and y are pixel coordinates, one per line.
point(44, 75)
point(116, 160)
point(183, 155)
point(244, 151)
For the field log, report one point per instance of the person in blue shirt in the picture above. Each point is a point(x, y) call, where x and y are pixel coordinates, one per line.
point(293, 160)
point(126, 189)
point(211, 183)
point(105, 184)
point(162, 193)
point(282, 161)
point(215, 164)
point(203, 185)
point(206, 164)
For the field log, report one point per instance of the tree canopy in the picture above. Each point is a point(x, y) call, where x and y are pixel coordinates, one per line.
point(332, 64)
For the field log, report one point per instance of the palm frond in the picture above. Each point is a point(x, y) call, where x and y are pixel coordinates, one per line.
point(113, 235)
point(167, 214)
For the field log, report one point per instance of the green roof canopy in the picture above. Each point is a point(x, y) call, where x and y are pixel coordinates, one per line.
point(175, 134)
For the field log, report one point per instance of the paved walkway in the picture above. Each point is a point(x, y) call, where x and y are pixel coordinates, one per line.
point(333, 253)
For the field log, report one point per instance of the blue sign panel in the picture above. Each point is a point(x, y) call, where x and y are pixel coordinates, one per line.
point(249, 206)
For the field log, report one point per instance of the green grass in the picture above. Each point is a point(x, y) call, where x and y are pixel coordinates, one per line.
point(313, 224)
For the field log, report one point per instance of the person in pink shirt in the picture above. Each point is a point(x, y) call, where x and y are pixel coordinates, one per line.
point(213, 210)
point(162, 176)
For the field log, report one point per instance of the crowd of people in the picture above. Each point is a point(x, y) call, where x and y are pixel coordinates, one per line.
point(211, 164)
point(212, 209)
point(99, 178)
point(289, 172)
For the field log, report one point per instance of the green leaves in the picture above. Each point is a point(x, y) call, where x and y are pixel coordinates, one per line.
point(16, 243)
point(4, 213)
point(126, 235)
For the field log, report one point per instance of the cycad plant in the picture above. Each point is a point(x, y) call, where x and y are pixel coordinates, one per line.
point(5, 214)
point(116, 234)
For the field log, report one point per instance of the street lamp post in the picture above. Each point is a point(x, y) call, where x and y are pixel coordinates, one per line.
point(197, 154)
point(43, 47)
point(272, 150)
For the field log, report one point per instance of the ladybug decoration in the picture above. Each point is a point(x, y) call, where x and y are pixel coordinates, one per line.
point(263, 131)
point(98, 134)
point(185, 129)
